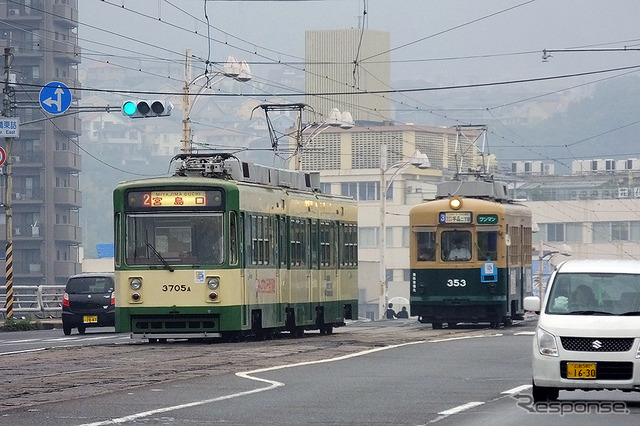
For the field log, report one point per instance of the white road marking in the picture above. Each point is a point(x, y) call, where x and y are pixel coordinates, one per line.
point(516, 390)
point(525, 333)
point(247, 375)
point(461, 408)
point(451, 339)
point(273, 384)
point(22, 352)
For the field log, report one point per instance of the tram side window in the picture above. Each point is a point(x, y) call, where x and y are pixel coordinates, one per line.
point(233, 238)
point(298, 243)
point(327, 244)
point(348, 246)
point(488, 245)
point(426, 245)
point(455, 246)
point(260, 240)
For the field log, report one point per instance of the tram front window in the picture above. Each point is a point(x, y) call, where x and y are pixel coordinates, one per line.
point(426, 245)
point(192, 239)
point(488, 245)
point(455, 245)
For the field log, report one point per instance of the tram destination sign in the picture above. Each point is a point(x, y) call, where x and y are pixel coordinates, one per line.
point(456, 217)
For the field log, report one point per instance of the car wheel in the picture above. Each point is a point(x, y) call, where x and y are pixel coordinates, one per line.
point(66, 328)
point(82, 329)
point(544, 394)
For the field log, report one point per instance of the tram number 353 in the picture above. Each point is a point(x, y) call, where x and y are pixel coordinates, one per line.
point(456, 283)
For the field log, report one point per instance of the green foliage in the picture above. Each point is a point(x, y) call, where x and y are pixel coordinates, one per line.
point(24, 324)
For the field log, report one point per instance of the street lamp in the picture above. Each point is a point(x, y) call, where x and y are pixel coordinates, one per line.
point(564, 250)
point(344, 120)
point(238, 70)
point(418, 160)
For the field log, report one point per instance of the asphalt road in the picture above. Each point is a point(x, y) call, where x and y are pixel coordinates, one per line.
point(389, 372)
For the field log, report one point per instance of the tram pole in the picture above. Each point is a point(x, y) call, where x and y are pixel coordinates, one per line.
point(8, 202)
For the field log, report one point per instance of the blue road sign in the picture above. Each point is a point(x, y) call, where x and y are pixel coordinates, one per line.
point(55, 98)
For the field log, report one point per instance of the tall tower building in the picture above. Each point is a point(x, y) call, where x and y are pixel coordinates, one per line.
point(344, 62)
point(45, 160)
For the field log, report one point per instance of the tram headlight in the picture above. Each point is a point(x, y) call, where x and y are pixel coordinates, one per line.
point(213, 282)
point(135, 283)
point(455, 203)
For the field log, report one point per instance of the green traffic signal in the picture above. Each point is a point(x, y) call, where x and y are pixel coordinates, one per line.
point(129, 108)
point(144, 108)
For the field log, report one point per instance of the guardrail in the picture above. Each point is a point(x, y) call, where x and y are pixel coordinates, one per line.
point(42, 301)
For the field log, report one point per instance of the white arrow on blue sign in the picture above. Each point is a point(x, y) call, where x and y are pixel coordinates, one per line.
point(55, 98)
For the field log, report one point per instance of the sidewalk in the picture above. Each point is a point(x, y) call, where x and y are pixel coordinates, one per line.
point(47, 323)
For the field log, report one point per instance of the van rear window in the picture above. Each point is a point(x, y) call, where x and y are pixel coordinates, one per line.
point(89, 285)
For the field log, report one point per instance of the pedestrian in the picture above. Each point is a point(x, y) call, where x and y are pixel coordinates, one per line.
point(390, 314)
point(403, 313)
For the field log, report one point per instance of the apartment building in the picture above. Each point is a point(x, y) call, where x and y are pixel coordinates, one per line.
point(45, 159)
point(332, 64)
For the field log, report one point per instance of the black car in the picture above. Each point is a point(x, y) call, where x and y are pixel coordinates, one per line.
point(88, 302)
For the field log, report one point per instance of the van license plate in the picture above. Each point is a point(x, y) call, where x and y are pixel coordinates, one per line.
point(581, 370)
point(90, 319)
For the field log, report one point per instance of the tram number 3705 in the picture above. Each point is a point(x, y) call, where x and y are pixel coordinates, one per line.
point(175, 287)
point(456, 283)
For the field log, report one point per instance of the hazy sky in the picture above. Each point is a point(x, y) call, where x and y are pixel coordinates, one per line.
point(447, 41)
point(435, 43)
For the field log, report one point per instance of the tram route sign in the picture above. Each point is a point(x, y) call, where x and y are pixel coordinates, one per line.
point(55, 98)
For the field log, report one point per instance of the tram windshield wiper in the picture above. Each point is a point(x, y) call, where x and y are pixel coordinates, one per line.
point(630, 314)
point(164, 262)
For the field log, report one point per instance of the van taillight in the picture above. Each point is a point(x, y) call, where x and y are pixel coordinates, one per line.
point(65, 299)
point(113, 298)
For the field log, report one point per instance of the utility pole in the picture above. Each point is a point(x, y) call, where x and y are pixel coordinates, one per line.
point(186, 105)
point(8, 202)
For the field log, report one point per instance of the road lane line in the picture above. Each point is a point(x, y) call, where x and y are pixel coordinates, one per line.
point(460, 408)
point(246, 375)
point(451, 339)
point(23, 351)
point(516, 390)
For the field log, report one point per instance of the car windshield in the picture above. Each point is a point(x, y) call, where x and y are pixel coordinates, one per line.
point(594, 294)
point(89, 285)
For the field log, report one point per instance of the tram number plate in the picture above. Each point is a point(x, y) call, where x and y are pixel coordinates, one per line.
point(577, 370)
point(90, 319)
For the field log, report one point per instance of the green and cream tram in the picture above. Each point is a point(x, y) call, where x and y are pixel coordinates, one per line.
point(225, 248)
point(470, 254)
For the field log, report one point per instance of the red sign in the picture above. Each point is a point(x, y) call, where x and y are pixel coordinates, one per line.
point(3, 156)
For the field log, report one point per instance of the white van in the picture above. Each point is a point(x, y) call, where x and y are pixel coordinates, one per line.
point(588, 333)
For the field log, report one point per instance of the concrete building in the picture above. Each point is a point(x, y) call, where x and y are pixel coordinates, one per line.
point(350, 163)
point(594, 210)
point(45, 159)
point(330, 68)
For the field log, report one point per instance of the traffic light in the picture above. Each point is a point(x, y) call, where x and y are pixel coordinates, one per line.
point(142, 108)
